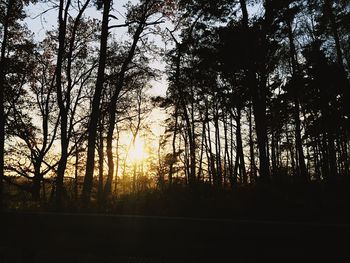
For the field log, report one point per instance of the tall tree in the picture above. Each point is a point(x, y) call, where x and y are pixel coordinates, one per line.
point(139, 19)
point(64, 94)
point(11, 13)
point(95, 107)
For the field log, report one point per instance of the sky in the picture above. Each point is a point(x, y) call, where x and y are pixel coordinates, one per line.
point(42, 17)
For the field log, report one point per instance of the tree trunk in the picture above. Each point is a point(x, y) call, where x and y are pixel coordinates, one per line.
point(290, 147)
point(301, 167)
point(211, 161)
point(273, 153)
point(113, 107)
point(2, 98)
point(245, 17)
point(240, 149)
point(116, 163)
point(200, 169)
point(207, 155)
point(251, 147)
point(227, 157)
point(100, 163)
point(258, 92)
point(259, 108)
point(36, 183)
point(174, 157)
point(62, 18)
point(76, 171)
point(95, 110)
point(217, 148)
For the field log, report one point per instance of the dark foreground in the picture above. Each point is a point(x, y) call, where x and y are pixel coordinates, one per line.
point(44, 237)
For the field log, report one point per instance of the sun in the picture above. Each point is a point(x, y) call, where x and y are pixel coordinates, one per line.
point(137, 151)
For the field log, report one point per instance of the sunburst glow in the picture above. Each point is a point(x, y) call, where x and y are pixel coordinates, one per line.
point(137, 151)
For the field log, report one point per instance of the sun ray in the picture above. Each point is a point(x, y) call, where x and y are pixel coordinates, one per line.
point(137, 151)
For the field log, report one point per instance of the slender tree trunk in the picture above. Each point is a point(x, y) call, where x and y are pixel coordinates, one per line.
point(134, 189)
point(316, 159)
point(2, 96)
point(191, 147)
point(187, 159)
point(251, 147)
point(95, 110)
point(100, 162)
point(62, 18)
point(212, 163)
point(235, 171)
point(259, 108)
point(193, 142)
point(298, 143)
point(116, 162)
point(218, 148)
point(325, 156)
point(2, 128)
point(207, 154)
point(258, 92)
point(113, 107)
point(76, 171)
point(301, 167)
point(227, 157)
point(240, 149)
point(273, 153)
point(109, 148)
point(346, 154)
point(174, 157)
point(200, 169)
point(332, 154)
point(160, 166)
point(232, 180)
point(290, 147)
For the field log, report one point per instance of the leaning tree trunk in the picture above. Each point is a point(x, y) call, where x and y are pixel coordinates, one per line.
point(113, 107)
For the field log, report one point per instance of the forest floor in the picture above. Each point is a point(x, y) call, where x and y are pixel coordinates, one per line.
point(278, 221)
point(52, 237)
point(277, 200)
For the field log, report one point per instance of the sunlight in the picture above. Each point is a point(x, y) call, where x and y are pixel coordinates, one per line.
point(137, 151)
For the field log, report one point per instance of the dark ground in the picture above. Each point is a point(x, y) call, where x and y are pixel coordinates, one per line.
point(278, 223)
point(45, 237)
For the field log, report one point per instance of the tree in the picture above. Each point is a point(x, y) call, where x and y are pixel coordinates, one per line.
point(95, 107)
point(11, 13)
point(139, 19)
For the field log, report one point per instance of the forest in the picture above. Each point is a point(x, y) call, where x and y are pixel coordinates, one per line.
point(177, 103)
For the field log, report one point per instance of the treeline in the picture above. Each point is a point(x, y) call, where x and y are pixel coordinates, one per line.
point(66, 98)
point(256, 90)
point(259, 90)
